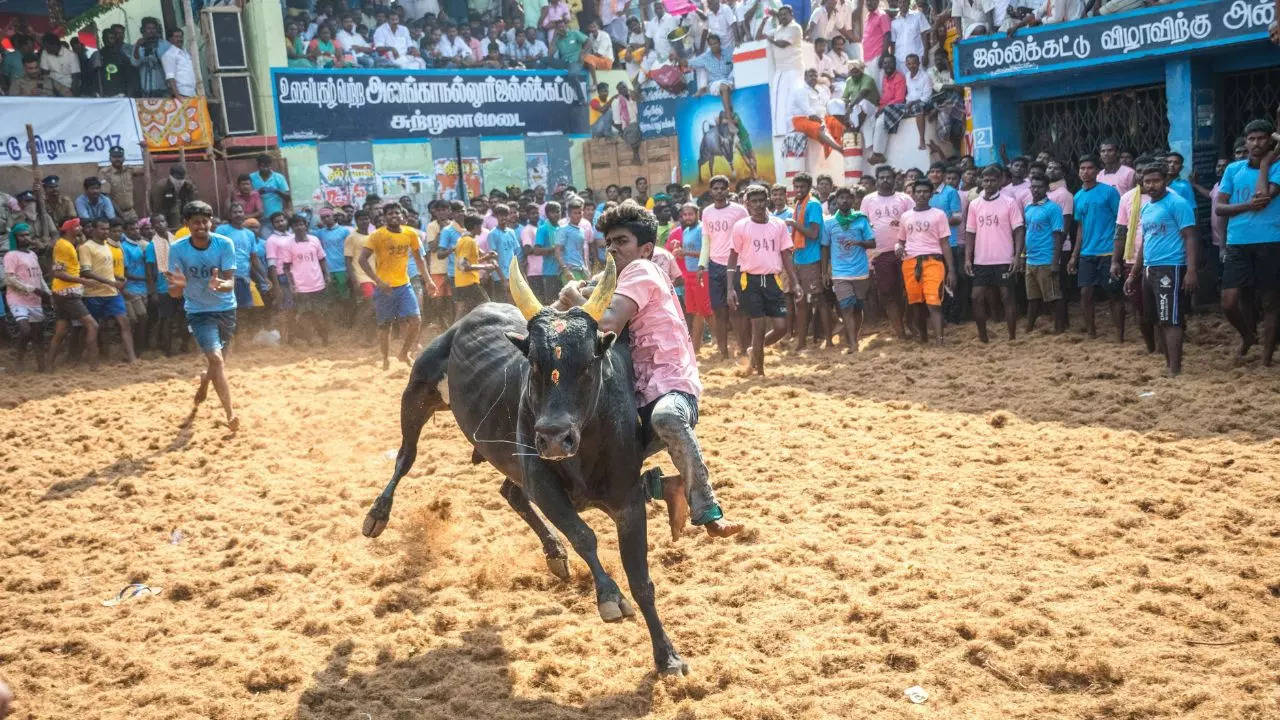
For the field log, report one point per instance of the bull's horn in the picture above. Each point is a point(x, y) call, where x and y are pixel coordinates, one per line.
point(603, 294)
point(521, 295)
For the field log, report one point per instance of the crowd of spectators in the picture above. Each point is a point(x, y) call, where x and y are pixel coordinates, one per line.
point(156, 65)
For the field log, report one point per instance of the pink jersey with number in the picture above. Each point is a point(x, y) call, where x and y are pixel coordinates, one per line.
point(304, 264)
point(25, 265)
point(922, 229)
point(883, 211)
point(992, 222)
point(717, 229)
point(661, 349)
point(760, 245)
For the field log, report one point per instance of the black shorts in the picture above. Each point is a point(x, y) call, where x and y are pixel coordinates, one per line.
point(470, 295)
point(1163, 293)
point(718, 285)
point(762, 298)
point(1095, 271)
point(69, 307)
point(1254, 265)
point(992, 276)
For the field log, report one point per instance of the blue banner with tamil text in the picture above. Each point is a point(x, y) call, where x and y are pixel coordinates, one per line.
point(344, 105)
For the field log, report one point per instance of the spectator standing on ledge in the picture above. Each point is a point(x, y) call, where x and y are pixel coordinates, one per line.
point(33, 83)
point(179, 71)
point(60, 64)
point(146, 56)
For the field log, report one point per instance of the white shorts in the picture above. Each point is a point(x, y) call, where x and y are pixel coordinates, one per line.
point(30, 314)
point(714, 88)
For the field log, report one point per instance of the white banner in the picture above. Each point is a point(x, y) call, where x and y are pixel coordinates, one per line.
point(69, 130)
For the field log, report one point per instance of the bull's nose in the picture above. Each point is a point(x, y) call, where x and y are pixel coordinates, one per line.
point(555, 441)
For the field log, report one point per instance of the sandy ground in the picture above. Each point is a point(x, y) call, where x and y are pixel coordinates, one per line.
point(1036, 529)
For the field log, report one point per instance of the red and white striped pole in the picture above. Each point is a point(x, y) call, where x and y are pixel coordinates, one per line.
point(852, 157)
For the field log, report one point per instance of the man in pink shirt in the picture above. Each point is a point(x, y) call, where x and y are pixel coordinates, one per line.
point(761, 250)
point(666, 368)
point(1113, 173)
point(282, 289)
point(924, 244)
point(718, 220)
point(893, 106)
point(993, 251)
point(303, 262)
point(883, 208)
point(24, 289)
point(875, 35)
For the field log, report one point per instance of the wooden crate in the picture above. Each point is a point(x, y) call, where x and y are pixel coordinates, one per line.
point(611, 161)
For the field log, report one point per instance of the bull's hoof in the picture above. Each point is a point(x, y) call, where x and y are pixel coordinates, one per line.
point(612, 611)
point(559, 567)
point(675, 666)
point(376, 519)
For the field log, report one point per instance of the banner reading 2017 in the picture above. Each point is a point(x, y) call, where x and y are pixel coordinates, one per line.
point(340, 105)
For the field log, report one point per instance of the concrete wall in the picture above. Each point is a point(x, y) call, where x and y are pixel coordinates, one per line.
point(263, 25)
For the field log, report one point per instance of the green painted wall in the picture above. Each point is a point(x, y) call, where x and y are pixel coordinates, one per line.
point(505, 164)
point(304, 172)
point(403, 157)
point(264, 37)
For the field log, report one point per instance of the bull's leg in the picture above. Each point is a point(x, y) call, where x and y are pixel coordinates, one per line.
point(544, 489)
point(419, 401)
point(557, 559)
point(634, 549)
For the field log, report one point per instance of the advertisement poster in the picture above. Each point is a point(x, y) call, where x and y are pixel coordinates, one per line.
point(344, 183)
point(447, 178)
point(538, 169)
point(711, 144)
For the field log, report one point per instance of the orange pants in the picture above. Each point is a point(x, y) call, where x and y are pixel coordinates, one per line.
point(928, 288)
point(812, 128)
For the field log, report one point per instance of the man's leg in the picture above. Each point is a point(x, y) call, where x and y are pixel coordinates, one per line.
point(672, 421)
point(1086, 310)
point(217, 374)
point(384, 344)
point(126, 338)
point(1117, 301)
point(801, 317)
point(757, 345)
point(1010, 310)
point(1234, 308)
point(935, 322)
point(410, 326)
point(1033, 311)
point(978, 297)
point(1269, 300)
point(721, 323)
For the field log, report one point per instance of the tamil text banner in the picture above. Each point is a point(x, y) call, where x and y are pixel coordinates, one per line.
point(68, 130)
point(1153, 31)
point(330, 105)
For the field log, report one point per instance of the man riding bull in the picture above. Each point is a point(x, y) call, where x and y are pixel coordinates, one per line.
point(666, 367)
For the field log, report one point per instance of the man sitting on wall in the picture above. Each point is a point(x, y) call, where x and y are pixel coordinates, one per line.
point(809, 114)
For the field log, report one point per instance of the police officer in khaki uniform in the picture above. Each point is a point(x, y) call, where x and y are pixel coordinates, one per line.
point(117, 184)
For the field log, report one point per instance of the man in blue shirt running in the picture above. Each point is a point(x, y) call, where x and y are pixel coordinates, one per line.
point(202, 270)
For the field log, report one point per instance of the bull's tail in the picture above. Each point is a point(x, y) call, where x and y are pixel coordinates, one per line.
point(423, 396)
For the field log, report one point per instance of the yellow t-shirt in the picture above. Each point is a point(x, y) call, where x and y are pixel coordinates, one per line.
point(351, 248)
point(392, 253)
point(466, 250)
point(96, 258)
point(183, 231)
point(117, 260)
point(66, 259)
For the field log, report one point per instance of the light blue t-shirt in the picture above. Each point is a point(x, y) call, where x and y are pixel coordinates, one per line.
point(948, 201)
point(507, 245)
point(448, 240)
point(812, 250)
point(544, 239)
point(1239, 183)
point(1163, 221)
point(243, 242)
point(333, 241)
point(1184, 190)
point(198, 266)
point(691, 241)
point(274, 185)
point(570, 241)
point(1041, 220)
point(848, 261)
point(149, 256)
point(135, 263)
point(1095, 212)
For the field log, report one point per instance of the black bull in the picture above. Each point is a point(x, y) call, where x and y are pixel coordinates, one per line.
point(549, 403)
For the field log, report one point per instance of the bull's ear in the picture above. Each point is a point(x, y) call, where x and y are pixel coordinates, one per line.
point(520, 341)
point(604, 341)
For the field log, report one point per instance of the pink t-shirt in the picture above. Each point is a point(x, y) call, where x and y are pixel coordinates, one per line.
point(922, 229)
point(878, 23)
point(992, 222)
point(533, 265)
point(760, 245)
point(1066, 202)
point(665, 260)
point(717, 228)
point(1021, 192)
point(24, 264)
point(1121, 179)
point(1122, 219)
point(275, 244)
point(883, 211)
point(304, 264)
point(661, 350)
